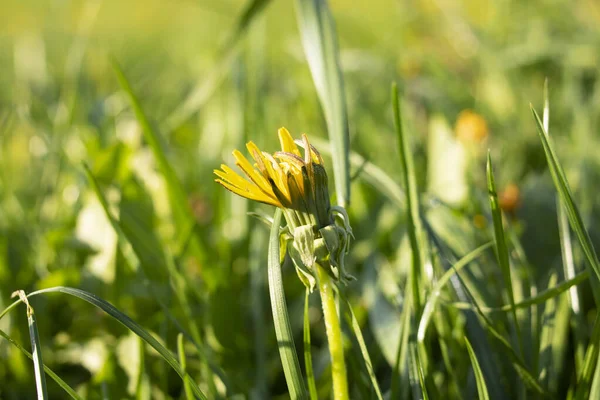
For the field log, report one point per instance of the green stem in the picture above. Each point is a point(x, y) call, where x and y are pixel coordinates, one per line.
point(334, 335)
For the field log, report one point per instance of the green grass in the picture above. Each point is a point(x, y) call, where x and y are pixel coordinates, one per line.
point(113, 117)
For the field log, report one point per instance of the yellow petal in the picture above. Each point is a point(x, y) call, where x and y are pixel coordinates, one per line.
point(249, 170)
point(259, 196)
point(277, 175)
point(287, 142)
point(232, 177)
point(258, 157)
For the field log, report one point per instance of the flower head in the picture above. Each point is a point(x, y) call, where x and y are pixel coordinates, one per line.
point(284, 179)
point(297, 183)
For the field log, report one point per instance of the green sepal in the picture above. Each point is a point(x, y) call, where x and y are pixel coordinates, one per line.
point(302, 271)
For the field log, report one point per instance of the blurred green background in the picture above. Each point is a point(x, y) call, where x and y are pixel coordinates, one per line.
point(210, 76)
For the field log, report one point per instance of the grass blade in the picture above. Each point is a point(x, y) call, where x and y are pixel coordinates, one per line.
point(479, 379)
point(415, 227)
point(546, 336)
point(177, 197)
point(566, 197)
point(122, 318)
point(584, 380)
point(501, 247)
point(283, 328)
point(353, 322)
point(540, 298)
point(417, 379)
point(189, 394)
point(437, 290)
point(36, 349)
point(317, 29)
point(310, 374)
point(68, 389)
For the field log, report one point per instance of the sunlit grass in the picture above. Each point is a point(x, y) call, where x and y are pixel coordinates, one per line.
point(471, 281)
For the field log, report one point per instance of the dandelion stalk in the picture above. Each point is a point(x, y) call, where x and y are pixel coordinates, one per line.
point(334, 335)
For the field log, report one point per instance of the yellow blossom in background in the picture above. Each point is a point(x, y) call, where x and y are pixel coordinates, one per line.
point(510, 199)
point(471, 128)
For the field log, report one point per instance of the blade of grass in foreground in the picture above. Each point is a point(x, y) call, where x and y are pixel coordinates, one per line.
point(283, 328)
point(566, 197)
point(501, 248)
point(135, 259)
point(133, 326)
point(36, 349)
point(481, 385)
point(50, 373)
point(319, 39)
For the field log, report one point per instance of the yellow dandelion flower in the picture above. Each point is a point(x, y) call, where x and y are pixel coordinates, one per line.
point(284, 179)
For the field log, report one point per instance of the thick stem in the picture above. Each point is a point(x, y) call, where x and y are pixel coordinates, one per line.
point(334, 335)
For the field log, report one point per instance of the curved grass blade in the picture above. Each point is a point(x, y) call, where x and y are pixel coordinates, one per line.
point(283, 328)
point(178, 280)
point(317, 29)
point(108, 308)
point(68, 389)
point(566, 197)
point(310, 374)
point(543, 296)
point(353, 322)
point(501, 248)
point(437, 289)
point(479, 379)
